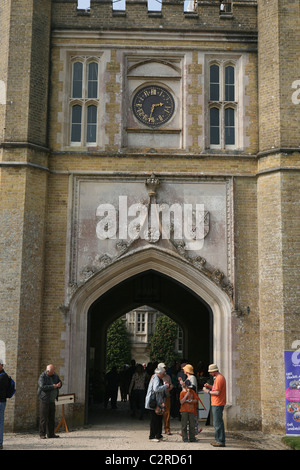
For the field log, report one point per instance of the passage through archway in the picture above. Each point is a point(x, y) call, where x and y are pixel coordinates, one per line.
point(181, 273)
point(162, 293)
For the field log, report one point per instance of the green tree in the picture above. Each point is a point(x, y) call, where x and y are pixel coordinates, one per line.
point(162, 342)
point(118, 345)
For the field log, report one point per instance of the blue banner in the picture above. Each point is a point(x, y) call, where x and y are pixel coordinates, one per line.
point(292, 392)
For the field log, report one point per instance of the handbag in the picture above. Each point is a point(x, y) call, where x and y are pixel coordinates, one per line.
point(160, 409)
point(152, 400)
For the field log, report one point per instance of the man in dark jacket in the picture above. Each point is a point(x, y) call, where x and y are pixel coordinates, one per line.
point(49, 385)
point(4, 383)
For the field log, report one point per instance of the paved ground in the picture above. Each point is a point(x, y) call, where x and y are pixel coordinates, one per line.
point(114, 430)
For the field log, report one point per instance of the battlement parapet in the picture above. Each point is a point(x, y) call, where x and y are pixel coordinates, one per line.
point(177, 15)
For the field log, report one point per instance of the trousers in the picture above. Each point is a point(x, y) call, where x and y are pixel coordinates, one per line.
point(218, 423)
point(187, 421)
point(2, 409)
point(166, 414)
point(155, 425)
point(47, 418)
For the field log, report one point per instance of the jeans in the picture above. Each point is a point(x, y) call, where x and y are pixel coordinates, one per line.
point(218, 423)
point(2, 409)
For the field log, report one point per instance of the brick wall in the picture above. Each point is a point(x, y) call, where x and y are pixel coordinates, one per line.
point(23, 186)
point(136, 16)
point(278, 189)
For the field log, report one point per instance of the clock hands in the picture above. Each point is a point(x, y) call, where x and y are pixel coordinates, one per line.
point(152, 109)
point(153, 105)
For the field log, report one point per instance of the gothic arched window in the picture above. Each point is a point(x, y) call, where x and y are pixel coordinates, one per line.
point(222, 106)
point(84, 101)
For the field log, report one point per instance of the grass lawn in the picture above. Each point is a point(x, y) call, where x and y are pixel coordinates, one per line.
point(292, 441)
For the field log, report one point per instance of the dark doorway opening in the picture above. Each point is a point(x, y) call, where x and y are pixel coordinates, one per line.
point(162, 293)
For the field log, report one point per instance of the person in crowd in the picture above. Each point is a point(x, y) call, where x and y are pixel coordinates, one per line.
point(124, 387)
point(137, 390)
point(167, 410)
point(189, 371)
point(4, 384)
point(181, 377)
point(111, 387)
point(150, 371)
point(130, 372)
point(155, 403)
point(188, 399)
point(175, 405)
point(49, 384)
point(217, 393)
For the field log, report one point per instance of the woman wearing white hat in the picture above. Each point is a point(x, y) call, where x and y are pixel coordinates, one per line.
point(155, 402)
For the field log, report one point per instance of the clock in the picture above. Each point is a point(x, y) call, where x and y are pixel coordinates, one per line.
point(153, 105)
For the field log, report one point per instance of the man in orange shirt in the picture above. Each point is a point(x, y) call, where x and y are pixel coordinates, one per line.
point(217, 391)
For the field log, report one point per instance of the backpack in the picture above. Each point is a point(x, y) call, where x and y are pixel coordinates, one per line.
point(11, 389)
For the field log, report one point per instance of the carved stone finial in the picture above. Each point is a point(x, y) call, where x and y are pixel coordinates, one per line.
point(151, 184)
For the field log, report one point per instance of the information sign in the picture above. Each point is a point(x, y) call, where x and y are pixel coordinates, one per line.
point(292, 392)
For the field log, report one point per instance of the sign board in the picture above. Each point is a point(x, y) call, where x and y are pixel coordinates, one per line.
point(65, 399)
point(292, 392)
point(203, 405)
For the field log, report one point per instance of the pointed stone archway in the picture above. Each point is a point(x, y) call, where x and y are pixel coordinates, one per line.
point(149, 259)
point(162, 293)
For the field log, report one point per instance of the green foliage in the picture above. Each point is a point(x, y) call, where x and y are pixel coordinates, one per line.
point(162, 343)
point(292, 441)
point(118, 345)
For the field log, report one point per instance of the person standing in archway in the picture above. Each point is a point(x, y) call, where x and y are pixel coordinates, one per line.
point(189, 371)
point(137, 391)
point(217, 391)
point(156, 392)
point(166, 414)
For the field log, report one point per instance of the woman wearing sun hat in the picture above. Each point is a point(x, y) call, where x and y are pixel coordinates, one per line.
point(156, 390)
point(189, 371)
point(217, 391)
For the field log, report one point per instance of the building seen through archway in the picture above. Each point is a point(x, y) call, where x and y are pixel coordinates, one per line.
point(141, 325)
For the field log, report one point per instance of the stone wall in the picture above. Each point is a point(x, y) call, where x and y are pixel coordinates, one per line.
point(23, 177)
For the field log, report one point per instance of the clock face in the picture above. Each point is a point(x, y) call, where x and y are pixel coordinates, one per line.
point(153, 105)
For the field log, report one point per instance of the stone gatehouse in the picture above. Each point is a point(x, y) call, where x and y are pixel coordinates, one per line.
point(150, 157)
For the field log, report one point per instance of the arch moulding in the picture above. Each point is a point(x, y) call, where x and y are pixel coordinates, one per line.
point(129, 265)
